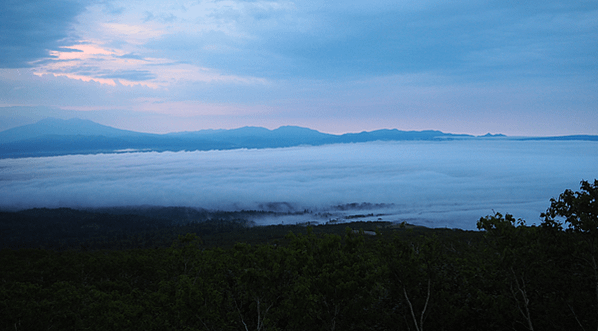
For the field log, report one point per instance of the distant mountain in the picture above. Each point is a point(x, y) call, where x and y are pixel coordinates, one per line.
point(51, 145)
point(53, 136)
point(258, 137)
point(490, 135)
point(572, 137)
point(393, 135)
point(55, 126)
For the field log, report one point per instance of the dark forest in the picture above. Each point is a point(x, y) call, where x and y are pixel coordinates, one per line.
point(68, 269)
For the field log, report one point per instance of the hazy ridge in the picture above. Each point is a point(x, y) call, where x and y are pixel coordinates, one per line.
point(51, 137)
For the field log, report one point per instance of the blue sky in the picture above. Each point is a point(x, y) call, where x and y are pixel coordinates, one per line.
point(515, 67)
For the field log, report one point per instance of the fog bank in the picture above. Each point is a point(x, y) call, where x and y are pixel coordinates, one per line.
point(434, 183)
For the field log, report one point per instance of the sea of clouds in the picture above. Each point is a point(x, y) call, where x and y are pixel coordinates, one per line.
point(433, 183)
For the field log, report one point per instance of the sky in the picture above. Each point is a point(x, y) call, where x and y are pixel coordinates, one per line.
point(523, 68)
point(434, 183)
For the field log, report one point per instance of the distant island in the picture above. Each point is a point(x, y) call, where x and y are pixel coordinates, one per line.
point(52, 137)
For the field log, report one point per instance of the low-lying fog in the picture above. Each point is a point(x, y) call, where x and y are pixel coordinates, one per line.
point(441, 183)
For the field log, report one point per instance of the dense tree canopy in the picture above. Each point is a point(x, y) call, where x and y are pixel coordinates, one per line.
point(507, 276)
point(579, 209)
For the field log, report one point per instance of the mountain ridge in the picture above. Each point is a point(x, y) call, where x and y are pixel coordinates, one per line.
point(52, 136)
point(73, 126)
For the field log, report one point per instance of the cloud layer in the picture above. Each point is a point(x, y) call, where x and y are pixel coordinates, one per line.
point(31, 29)
point(450, 183)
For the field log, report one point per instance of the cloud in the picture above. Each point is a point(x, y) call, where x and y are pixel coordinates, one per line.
point(327, 40)
point(131, 56)
point(29, 29)
point(472, 40)
point(164, 18)
point(451, 183)
point(130, 75)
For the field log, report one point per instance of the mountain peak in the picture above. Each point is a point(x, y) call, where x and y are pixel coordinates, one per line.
point(490, 135)
point(62, 127)
point(291, 129)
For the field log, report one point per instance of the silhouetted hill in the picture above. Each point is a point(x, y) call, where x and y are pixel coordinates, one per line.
point(257, 137)
point(53, 136)
point(490, 135)
point(71, 127)
point(394, 135)
point(572, 137)
point(49, 145)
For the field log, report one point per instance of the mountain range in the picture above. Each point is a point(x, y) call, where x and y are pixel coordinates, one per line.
point(51, 136)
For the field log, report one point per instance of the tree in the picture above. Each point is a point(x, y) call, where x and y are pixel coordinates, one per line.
point(519, 259)
point(414, 274)
point(580, 209)
point(579, 212)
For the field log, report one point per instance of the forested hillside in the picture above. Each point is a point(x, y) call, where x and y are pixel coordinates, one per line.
point(508, 276)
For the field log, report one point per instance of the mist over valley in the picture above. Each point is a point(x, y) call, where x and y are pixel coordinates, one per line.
point(437, 183)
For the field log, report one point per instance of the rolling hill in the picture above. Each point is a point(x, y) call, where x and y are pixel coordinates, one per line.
point(52, 136)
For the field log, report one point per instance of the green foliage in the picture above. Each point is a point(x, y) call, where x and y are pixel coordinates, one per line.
point(580, 213)
point(579, 209)
point(507, 276)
